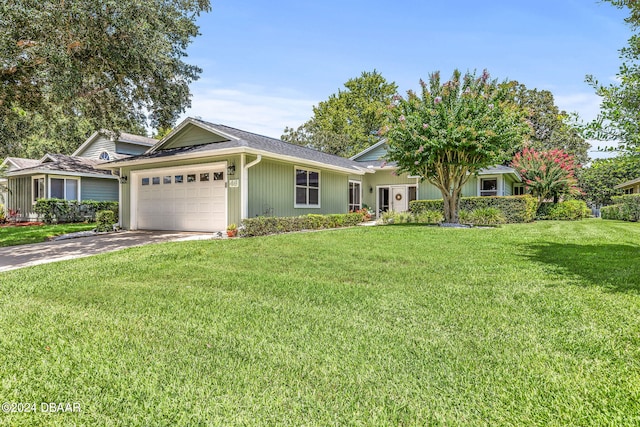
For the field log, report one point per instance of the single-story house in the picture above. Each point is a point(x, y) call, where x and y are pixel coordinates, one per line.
point(204, 176)
point(630, 187)
point(73, 177)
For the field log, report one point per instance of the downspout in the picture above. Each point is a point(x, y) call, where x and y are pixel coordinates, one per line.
point(120, 190)
point(244, 185)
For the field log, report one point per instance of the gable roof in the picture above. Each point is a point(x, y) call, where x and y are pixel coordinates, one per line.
point(122, 137)
point(628, 183)
point(19, 162)
point(63, 165)
point(239, 141)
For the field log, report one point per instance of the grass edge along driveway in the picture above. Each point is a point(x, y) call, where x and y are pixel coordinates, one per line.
point(27, 234)
point(534, 324)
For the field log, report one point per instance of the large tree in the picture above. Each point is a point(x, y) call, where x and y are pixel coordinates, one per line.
point(451, 130)
point(619, 118)
point(553, 129)
point(598, 180)
point(349, 121)
point(113, 64)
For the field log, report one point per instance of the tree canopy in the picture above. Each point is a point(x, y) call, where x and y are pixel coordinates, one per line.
point(451, 130)
point(349, 121)
point(599, 179)
point(552, 128)
point(110, 64)
point(619, 118)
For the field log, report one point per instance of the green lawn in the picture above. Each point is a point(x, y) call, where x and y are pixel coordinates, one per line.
point(535, 324)
point(11, 236)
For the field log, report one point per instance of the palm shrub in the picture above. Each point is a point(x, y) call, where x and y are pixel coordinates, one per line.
point(486, 216)
point(430, 217)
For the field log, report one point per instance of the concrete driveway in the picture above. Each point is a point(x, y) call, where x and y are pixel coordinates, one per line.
point(14, 257)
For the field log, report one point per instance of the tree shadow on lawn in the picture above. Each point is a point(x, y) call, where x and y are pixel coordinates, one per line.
point(614, 267)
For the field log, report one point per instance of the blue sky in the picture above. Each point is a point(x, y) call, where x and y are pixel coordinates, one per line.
point(266, 63)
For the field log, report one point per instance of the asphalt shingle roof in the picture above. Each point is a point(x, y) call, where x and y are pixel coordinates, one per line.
point(63, 163)
point(254, 141)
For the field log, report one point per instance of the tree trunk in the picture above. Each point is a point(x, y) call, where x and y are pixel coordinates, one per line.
point(451, 207)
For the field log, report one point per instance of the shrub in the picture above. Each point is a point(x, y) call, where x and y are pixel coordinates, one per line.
point(59, 210)
point(486, 216)
point(569, 210)
point(430, 217)
point(629, 206)
point(3, 218)
point(513, 208)
point(611, 212)
point(464, 217)
point(262, 226)
point(105, 220)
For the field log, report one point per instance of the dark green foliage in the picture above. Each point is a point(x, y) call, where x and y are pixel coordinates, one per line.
point(105, 220)
point(514, 208)
point(628, 207)
point(349, 121)
point(262, 226)
point(568, 210)
point(598, 181)
point(107, 64)
point(486, 216)
point(57, 210)
point(611, 212)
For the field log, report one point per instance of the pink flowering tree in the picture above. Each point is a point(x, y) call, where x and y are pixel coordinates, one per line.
point(547, 174)
point(451, 130)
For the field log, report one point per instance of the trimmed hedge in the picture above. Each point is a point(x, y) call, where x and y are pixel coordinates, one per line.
point(626, 208)
point(513, 208)
point(568, 210)
point(611, 212)
point(58, 210)
point(265, 225)
point(105, 220)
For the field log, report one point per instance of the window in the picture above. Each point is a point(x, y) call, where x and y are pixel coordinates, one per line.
point(354, 196)
point(413, 193)
point(166, 179)
point(64, 188)
point(155, 180)
point(191, 178)
point(104, 156)
point(218, 176)
point(489, 187)
point(628, 190)
point(145, 181)
point(307, 188)
point(204, 177)
point(178, 179)
point(38, 189)
point(518, 190)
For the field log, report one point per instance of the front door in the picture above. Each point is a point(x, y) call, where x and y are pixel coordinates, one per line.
point(399, 202)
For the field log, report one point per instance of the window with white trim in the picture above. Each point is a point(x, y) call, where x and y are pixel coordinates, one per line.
point(518, 190)
point(38, 189)
point(488, 187)
point(307, 192)
point(64, 188)
point(355, 196)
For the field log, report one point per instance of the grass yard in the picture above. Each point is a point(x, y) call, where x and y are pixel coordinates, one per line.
point(535, 324)
point(22, 235)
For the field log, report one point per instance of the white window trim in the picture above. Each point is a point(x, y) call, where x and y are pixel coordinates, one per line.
point(295, 186)
point(44, 196)
point(389, 186)
point(353, 181)
point(499, 184)
point(50, 177)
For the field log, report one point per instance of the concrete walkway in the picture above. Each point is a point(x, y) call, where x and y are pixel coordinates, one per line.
point(14, 257)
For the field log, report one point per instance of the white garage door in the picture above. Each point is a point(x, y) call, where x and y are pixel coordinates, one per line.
point(187, 199)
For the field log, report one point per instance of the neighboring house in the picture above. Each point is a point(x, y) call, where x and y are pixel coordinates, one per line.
point(204, 176)
point(630, 187)
point(73, 177)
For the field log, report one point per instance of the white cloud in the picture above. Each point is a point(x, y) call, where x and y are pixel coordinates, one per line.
point(587, 105)
point(251, 108)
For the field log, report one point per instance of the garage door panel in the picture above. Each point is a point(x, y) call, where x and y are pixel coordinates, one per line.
point(190, 199)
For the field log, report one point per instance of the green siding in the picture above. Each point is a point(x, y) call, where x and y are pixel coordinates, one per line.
point(99, 189)
point(19, 196)
point(94, 149)
point(271, 190)
point(375, 154)
point(132, 149)
point(193, 135)
point(382, 178)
